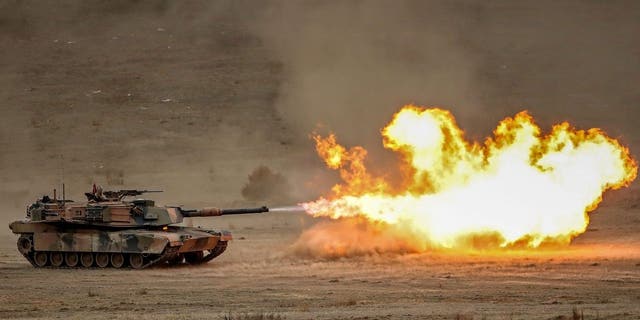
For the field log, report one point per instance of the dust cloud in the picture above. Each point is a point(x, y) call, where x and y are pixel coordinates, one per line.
point(350, 65)
point(266, 185)
point(353, 237)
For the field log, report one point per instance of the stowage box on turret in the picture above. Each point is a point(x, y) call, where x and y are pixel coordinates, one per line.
point(109, 231)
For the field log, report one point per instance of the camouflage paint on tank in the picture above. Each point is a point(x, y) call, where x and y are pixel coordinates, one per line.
point(99, 242)
point(110, 225)
point(130, 241)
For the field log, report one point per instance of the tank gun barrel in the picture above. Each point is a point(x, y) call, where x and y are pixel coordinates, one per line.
point(244, 210)
point(210, 212)
point(134, 192)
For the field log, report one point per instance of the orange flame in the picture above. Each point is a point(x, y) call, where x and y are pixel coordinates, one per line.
point(517, 189)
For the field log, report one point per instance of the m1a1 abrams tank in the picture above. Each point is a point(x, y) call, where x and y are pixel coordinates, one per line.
point(110, 231)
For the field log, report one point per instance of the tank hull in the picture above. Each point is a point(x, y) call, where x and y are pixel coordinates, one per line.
point(63, 245)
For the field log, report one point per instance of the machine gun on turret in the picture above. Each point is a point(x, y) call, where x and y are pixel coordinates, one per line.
point(121, 194)
point(98, 196)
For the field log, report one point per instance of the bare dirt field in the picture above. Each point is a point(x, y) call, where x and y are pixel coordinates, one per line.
point(192, 97)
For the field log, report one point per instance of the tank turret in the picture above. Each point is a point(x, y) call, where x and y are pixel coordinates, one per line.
point(110, 230)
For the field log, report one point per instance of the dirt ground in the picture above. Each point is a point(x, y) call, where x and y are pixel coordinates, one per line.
point(258, 276)
point(192, 97)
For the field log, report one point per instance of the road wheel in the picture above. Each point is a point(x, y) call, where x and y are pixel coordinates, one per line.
point(177, 260)
point(194, 257)
point(71, 259)
point(86, 259)
point(56, 258)
point(40, 259)
point(102, 259)
point(24, 244)
point(136, 261)
point(117, 260)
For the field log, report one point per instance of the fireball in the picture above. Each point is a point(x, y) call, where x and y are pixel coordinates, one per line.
point(519, 188)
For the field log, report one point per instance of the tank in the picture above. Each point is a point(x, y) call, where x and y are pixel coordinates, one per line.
point(112, 230)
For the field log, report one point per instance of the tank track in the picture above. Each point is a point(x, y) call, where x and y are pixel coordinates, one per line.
point(218, 250)
point(42, 259)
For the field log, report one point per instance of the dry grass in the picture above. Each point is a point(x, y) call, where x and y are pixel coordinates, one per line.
point(346, 303)
point(253, 316)
point(576, 314)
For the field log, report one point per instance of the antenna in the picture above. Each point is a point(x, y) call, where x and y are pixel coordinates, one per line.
point(64, 198)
